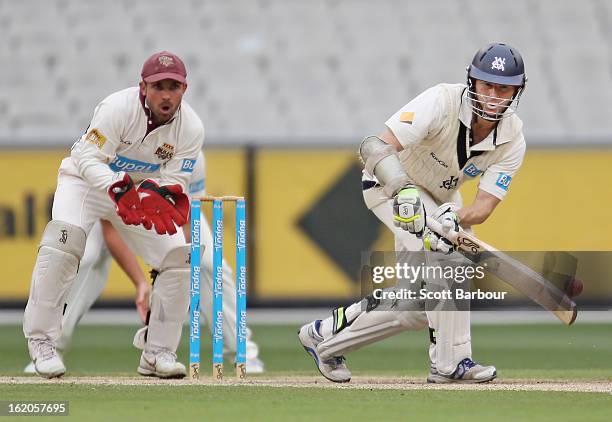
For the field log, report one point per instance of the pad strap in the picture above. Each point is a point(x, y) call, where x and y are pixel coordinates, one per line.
point(65, 237)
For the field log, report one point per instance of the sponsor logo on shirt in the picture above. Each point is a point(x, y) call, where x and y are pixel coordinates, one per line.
point(165, 152)
point(407, 117)
point(188, 165)
point(503, 181)
point(442, 163)
point(95, 137)
point(121, 163)
point(472, 170)
point(450, 183)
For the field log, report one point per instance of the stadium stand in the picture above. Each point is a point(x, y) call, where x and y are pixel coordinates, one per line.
point(279, 69)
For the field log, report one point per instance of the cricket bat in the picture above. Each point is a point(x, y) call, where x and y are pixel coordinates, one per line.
point(512, 272)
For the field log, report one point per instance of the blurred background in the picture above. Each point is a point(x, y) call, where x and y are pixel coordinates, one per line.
point(287, 89)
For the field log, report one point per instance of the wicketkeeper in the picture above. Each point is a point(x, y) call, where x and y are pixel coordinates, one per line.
point(131, 167)
point(104, 241)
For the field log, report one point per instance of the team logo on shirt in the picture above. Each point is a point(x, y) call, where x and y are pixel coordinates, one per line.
point(499, 63)
point(450, 183)
point(95, 137)
point(472, 170)
point(503, 181)
point(165, 152)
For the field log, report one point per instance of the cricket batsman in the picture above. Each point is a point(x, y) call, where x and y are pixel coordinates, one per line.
point(104, 241)
point(413, 170)
point(131, 167)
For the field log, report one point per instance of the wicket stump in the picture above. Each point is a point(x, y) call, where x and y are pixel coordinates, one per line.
point(217, 276)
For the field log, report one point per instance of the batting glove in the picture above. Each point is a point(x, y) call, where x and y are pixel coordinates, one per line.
point(165, 206)
point(408, 210)
point(446, 215)
point(124, 195)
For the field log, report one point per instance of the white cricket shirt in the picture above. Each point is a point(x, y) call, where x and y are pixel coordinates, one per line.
point(117, 141)
point(434, 130)
point(197, 183)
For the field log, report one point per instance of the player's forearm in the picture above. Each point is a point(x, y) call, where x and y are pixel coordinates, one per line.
point(97, 174)
point(130, 266)
point(472, 215)
point(93, 168)
point(479, 210)
point(123, 255)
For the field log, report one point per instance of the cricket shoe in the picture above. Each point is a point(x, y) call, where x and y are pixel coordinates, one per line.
point(47, 362)
point(161, 363)
point(333, 369)
point(30, 369)
point(467, 372)
point(255, 366)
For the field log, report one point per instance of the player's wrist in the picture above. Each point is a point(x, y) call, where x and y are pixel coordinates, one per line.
point(140, 283)
point(119, 182)
point(408, 189)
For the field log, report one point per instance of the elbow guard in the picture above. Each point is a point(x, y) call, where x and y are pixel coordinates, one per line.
point(381, 160)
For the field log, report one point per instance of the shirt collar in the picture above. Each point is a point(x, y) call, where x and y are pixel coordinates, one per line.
point(487, 144)
point(150, 125)
point(465, 111)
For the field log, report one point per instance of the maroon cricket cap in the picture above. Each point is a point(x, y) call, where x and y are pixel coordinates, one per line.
point(163, 65)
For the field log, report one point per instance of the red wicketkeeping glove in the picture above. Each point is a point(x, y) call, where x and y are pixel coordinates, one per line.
point(128, 207)
point(164, 206)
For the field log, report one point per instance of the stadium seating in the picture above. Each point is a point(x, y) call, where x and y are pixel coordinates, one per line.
point(277, 69)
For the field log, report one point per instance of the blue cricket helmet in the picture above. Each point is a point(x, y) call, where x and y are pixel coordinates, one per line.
point(498, 63)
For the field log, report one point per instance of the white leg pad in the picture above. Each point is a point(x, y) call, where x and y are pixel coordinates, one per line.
point(452, 339)
point(358, 328)
point(56, 267)
point(252, 349)
point(452, 327)
point(87, 286)
point(169, 301)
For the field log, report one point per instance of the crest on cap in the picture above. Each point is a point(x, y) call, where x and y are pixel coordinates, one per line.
point(164, 65)
point(166, 61)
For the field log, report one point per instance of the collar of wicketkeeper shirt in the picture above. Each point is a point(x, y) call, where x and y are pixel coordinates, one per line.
point(151, 125)
point(499, 135)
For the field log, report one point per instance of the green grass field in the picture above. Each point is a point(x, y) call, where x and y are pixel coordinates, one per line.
point(531, 353)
